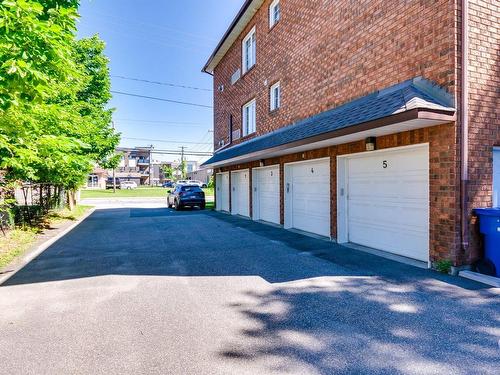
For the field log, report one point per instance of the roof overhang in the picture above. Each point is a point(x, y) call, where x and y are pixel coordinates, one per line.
point(400, 122)
point(247, 11)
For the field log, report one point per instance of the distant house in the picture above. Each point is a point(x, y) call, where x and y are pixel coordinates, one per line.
point(202, 175)
point(136, 165)
point(97, 179)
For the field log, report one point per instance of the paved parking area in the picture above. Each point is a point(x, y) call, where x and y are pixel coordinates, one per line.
point(150, 290)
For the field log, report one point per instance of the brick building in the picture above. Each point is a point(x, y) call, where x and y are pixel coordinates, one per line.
point(136, 165)
point(345, 119)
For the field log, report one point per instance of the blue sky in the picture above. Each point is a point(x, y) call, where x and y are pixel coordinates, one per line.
point(167, 41)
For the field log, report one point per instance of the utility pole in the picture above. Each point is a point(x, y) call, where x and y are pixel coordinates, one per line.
point(182, 162)
point(114, 179)
point(150, 165)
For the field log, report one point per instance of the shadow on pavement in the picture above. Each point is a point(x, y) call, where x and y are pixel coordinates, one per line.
point(368, 326)
point(328, 308)
point(164, 242)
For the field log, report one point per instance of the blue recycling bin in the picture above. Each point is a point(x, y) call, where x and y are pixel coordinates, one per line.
point(489, 226)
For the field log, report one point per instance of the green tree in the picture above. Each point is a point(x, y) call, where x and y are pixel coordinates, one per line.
point(35, 50)
point(168, 171)
point(54, 90)
point(183, 169)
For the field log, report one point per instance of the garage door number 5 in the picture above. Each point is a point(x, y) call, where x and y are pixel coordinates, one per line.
point(385, 164)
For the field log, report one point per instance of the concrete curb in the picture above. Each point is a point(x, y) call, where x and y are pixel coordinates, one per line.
point(32, 254)
point(485, 279)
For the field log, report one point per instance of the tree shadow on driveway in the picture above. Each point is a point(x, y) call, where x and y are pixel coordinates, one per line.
point(324, 309)
point(163, 242)
point(367, 325)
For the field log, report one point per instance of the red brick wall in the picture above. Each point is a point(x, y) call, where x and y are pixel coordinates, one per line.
point(328, 52)
point(445, 198)
point(484, 102)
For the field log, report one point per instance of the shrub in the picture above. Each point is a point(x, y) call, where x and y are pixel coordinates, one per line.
point(6, 218)
point(443, 265)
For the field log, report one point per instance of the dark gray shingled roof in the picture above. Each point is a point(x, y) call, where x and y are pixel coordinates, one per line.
point(416, 93)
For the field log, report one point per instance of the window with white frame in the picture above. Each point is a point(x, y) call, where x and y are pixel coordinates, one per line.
point(249, 117)
point(275, 96)
point(249, 51)
point(274, 13)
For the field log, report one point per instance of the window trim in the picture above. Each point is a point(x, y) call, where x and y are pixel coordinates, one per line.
point(250, 34)
point(272, 97)
point(245, 131)
point(272, 21)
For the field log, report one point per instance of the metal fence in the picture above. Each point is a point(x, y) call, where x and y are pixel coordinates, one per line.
point(28, 203)
point(6, 200)
point(33, 201)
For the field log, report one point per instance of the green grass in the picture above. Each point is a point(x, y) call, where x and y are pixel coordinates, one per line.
point(17, 241)
point(59, 216)
point(141, 192)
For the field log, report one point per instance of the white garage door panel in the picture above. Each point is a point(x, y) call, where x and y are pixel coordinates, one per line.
point(496, 177)
point(388, 201)
point(240, 193)
point(310, 196)
point(267, 194)
point(222, 198)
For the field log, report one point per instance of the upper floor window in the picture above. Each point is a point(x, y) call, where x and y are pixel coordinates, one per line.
point(274, 13)
point(249, 118)
point(249, 51)
point(275, 96)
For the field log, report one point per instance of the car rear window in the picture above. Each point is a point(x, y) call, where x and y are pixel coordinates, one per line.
point(191, 188)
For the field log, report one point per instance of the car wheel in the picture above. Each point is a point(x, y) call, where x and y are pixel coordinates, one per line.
point(177, 206)
point(202, 206)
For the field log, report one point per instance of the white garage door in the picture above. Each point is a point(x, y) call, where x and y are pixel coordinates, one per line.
point(266, 194)
point(240, 185)
point(496, 177)
point(222, 192)
point(307, 196)
point(388, 201)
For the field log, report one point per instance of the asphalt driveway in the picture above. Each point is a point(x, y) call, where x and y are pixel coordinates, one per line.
point(153, 291)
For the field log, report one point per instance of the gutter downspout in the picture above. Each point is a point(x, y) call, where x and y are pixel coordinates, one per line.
point(464, 120)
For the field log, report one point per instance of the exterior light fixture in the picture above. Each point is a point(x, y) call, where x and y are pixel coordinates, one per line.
point(370, 143)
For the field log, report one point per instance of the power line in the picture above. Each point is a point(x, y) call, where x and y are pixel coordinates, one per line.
point(161, 83)
point(149, 24)
point(178, 152)
point(165, 124)
point(161, 99)
point(165, 141)
point(158, 121)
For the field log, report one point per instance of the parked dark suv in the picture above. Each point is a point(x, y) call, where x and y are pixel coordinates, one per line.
point(186, 196)
point(109, 183)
